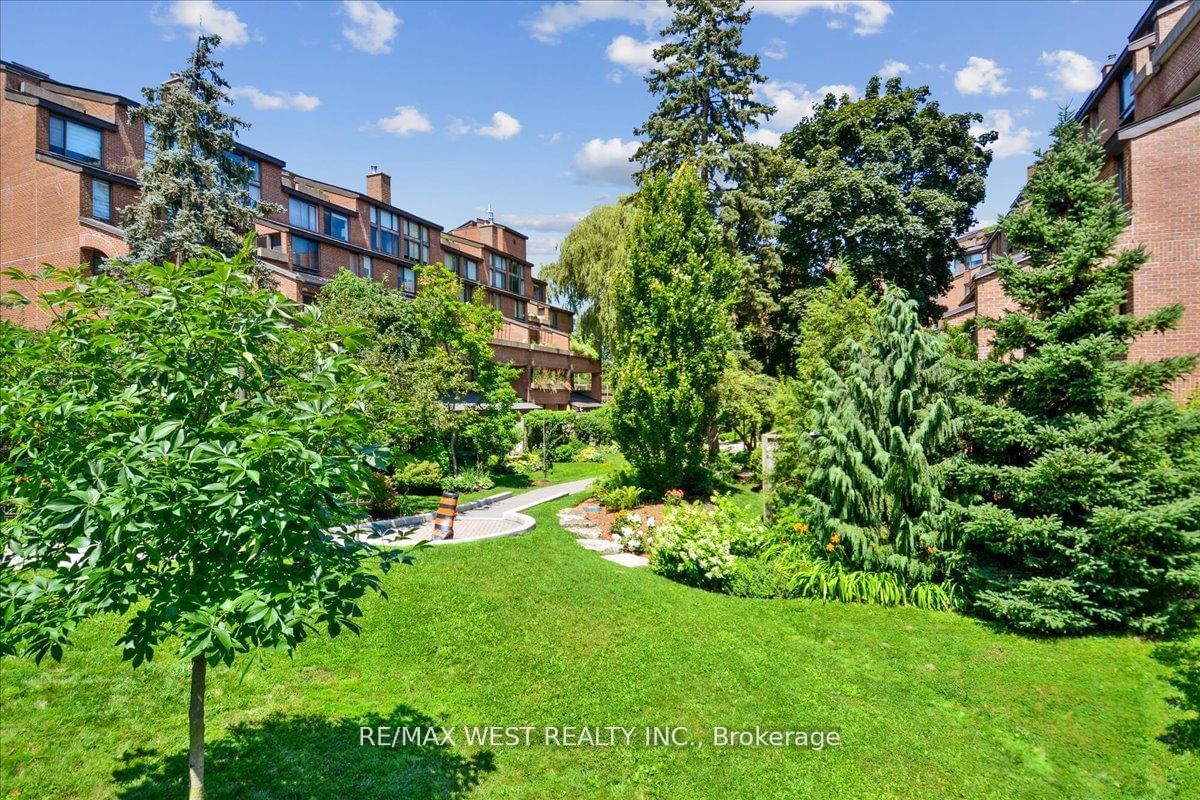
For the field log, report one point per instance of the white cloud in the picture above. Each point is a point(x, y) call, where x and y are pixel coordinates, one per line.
point(869, 15)
point(979, 76)
point(371, 28)
point(406, 120)
point(793, 102)
point(606, 161)
point(551, 138)
point(1073, 71)
point(1013, 141)
point(504, 126)
point(543, 249)
point(777, 50)
point(555, 19)
point(891, 68)
point(562, 221)
point(635, 56)
point(1037, 92)
point(763, 136)
point(202, 16)
point(276, 101)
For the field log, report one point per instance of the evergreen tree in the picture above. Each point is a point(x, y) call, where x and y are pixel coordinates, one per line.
point(673, 334)
point(1085, 480)
point(193, 187)
point(882, 185)
point(882, 430)
point(705, 85)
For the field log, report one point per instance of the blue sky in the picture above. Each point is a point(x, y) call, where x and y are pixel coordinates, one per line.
point(530, 107)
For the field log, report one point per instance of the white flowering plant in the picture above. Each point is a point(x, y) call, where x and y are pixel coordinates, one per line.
point(690, 547)
point(632, 534)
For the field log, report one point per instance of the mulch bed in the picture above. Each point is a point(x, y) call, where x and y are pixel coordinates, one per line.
point(604, 518)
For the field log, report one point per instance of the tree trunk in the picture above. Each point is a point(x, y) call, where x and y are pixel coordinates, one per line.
point(196, 731)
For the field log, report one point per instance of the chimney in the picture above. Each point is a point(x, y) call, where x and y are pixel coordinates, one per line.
point(379, 185)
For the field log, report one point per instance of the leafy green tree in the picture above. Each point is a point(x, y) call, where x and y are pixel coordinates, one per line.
point(882, 185)
point(179, 446)
point(705, 85)
point(593, 254)
point(432, 351)
point(882, 429)
point(673, 334)
point(746, 400)
point(1085, 483)
point(194, 191)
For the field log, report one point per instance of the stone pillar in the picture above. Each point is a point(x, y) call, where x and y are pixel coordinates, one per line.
point(770, 448)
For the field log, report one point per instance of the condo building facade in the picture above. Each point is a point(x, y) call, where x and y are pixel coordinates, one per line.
point(69, 163)
point(1146, 109)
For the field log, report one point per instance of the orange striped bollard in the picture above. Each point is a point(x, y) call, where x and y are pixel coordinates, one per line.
point(443, 522)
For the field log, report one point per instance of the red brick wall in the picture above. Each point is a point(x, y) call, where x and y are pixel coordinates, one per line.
point(1165, 182)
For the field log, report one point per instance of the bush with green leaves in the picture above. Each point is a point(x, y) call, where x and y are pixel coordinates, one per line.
point(691, 548)
point(1082, 484)
point(468, 479)
point(417, 475)
point(674, 331)
point(178, 446)
point(553, 427)
point(620, 498)
point(594, 427)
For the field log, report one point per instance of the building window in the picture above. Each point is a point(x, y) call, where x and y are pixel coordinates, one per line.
point(497, 302)
point(554, 318)
point(416, 242)
point(466, 293)
point(539, 293)
point(520, 311)
point(337, 225)
point(408, 279)
point(101, 200)
point(365, 267)
point(304, 255)
point(1126, 93)
point(464, 267)
point(504, 273)
point(302, 214)
point(254, 187)
point(385, 227)
point(149, 147)
point(79, 142)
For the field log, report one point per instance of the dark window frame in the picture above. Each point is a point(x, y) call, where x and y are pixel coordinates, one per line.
point(108, 199)
point(61, 149)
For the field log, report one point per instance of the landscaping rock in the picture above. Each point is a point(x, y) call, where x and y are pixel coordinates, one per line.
point(627, 559)
point(602, 546)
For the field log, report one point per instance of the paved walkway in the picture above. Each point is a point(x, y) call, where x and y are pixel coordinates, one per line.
point(503, 518)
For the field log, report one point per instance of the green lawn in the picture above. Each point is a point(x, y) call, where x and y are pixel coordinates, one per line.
point(534, 630)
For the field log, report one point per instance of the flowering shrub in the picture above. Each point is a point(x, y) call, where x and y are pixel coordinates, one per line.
point(590, 454)
point(526, 461)
point(628, 531)
point(673, 497)
point(691, 548)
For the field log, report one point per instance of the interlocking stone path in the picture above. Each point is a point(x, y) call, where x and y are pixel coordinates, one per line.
point(503, 518)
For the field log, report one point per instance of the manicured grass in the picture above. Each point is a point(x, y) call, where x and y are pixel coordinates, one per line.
point(534, 630)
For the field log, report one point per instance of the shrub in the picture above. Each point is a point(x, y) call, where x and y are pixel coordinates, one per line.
point(568, 451)
point(594, 427)
point(419, 476)
point(381, 498)
point(554, 426)
point(634, 536)
point(524, 462)
point(689, 547)
point(673, 497)
point(469, 479)
point(591, 454)
point(622, 498)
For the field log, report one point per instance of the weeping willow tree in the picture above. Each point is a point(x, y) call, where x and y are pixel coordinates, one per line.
point(881, 427)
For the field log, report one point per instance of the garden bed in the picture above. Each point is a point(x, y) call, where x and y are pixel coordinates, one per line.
point(604, 518)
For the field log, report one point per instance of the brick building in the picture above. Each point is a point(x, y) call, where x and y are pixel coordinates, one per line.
point(69, 163)
point(1147, 108)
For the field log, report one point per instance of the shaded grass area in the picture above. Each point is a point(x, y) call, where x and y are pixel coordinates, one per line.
point(534, 630)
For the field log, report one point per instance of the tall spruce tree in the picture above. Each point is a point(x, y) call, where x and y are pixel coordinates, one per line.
point(673, 334)
point(883, 428)
point(194, 188)
point(1085, 483)
point(705, 85)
